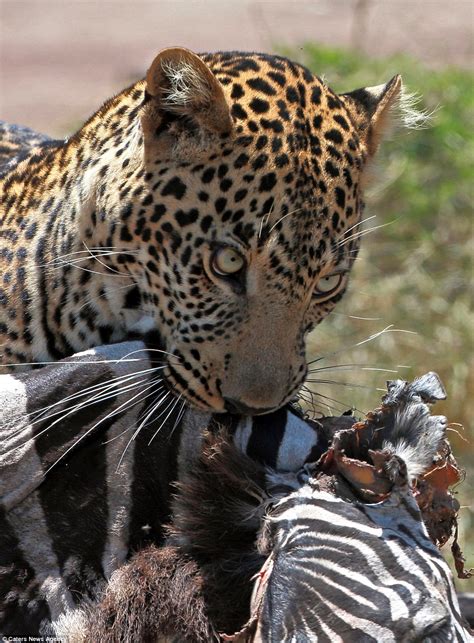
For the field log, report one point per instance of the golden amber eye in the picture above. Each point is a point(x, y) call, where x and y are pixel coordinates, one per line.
point(328, 285)
point(227, 261)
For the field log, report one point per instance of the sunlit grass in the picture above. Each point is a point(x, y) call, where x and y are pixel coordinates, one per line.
point(416, 273)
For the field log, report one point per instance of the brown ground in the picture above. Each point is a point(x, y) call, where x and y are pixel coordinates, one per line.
point(60, 59)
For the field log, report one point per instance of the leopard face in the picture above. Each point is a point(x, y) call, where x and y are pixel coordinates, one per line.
point(220, 201)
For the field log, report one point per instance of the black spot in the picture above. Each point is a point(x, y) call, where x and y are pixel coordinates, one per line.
point(186, 218)
point(133, 298)
point(283, 111)
point(302, 92)
point(222, 171)
point(225, 185)
point(246, 64)
point(316, 95)
point(331, 169)
point(31, 231)
point(317, 120)
point(245, 141)
point(334, 102)
point(342, 122)
point(220, 204)
point(260, 161)
point(206, 223)
point(333, 135)
point(291, 94)
point(203, 196)
point(347, 177)
point(275, 125)
point(259, 106)
point(125, 234)
point(261, 85)
point(237, 91)
point(277, 77)
point(276, 144)
point(238, 111)
point(158, 212)
point(148, 199)
point(208, 175)
point(340, 197)
point(240, 161)
point(282, 160)
point(261, 142)
point(240, 194)
point(174, 187)
point(185, 257)
point(268, 182)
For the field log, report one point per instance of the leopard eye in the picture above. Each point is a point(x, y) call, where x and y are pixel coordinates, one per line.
point(227, 261)
point(328, 285)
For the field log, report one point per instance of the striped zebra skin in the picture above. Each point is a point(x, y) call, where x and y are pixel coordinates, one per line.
point(329, 565)
point(89, 447)
point(343, 569)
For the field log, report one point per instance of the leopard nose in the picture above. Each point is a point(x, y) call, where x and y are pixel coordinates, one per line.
point(235, 406)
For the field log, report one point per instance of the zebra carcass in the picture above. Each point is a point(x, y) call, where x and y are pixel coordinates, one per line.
point(337, 552)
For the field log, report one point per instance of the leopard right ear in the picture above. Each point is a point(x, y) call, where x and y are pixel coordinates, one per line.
point(181, 88)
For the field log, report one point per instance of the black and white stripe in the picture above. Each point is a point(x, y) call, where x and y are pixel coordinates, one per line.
point(342, 571)
point(342, 568)
point(80, 488)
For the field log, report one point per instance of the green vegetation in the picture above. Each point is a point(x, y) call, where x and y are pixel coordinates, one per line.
point(415, 272)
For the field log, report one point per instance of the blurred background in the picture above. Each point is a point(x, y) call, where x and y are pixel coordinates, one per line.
point(59, 60)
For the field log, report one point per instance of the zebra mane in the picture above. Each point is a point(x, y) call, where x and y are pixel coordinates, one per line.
point(415, 435)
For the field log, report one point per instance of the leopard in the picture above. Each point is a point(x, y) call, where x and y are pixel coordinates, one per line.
point(216, 203)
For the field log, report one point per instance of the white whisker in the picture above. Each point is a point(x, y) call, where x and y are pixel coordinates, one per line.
point(283, 217)
point(104, 386)
point(112, 413)
point(164, 421)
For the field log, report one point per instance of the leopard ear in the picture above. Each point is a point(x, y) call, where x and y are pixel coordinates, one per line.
point(374, 110)
point(182, 86)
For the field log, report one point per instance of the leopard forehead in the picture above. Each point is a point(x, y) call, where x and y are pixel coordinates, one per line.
point(293, 157)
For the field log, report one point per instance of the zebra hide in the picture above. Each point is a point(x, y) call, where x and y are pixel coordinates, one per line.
point(89, 447)
point(338, 556)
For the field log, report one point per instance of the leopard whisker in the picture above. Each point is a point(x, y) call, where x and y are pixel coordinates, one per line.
point(100, 389)
point(141, 425)
point(101, 397)
point(178, 417)
point(337, 312)
point(284, 217)
point(387, 329)
point(96, 257)
point(337, 383)
point(95, 272)
point(92, 299)
point(152, 350)
point(153, 391)
point(352, 367)
point(266, 216)
point(86, 433)
point(47, 428)
point(363, 233)
point(66, 259)
point(164, 421)
point(359, 223)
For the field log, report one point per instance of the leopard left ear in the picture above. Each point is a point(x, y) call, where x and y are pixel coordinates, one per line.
point(181, 85)
point(373, 110)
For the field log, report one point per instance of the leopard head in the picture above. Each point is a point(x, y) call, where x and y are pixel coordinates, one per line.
point(239, 196)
